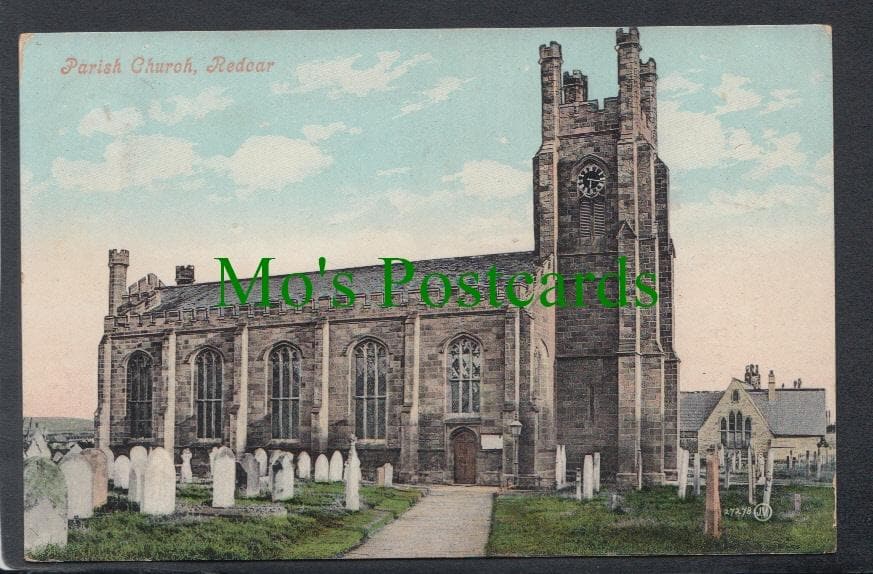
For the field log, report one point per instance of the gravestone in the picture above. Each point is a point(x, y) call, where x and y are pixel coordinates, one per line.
point(560, 467)
point(282, 477)
point(818, 468)
point(596, 472)
point(303, 465)
point(578, 484)
point(97, 459)
point(353, 480)
point(212, 454)
point(110, 461)
point(37, 447)
point(121, 472)
point(389, 475)
point(263, 462)
point(79, 477)
point(223, 478)
point(56, 458)
point(336, 467)
point(138, 454)
point(275, 454)
point(768, 484)
point(588, 477)
point(751, 478)
point(615, 502)
point(186, 475)
point(45, 504)
point(159, 485)
point(136, 482)
point(322, 469)
point(380, 476)
point(75, 449)
point(712, 514)
point(696, 474)
point(683, 473)
point(797, 502)
point(247, 476)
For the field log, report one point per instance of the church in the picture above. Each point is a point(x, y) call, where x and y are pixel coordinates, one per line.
point(468, 395)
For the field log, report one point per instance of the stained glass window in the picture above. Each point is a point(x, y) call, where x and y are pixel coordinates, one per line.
point(285, 392)
point(139, 395)
point(371, 390)
point(464, 374)
point(209, 390)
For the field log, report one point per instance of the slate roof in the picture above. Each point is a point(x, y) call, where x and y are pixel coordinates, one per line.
point(368, 280)
point(795, 412)
point(694, 408)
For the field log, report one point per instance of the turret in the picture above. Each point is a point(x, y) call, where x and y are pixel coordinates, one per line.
point(648, 97)
point(550, 76)
point(627, 44)
point(184, 274)
point(771, 386)
point(119, 260)
point(575, 87)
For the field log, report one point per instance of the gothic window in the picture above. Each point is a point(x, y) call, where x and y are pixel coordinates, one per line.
point(735, 396)
point(724, 432)
point(284, 376)
point(208, 381)
point(371, 389)
point(464, 374)
point(139, 395)
point(738, 433)
point(748, 432)
point(732, 428)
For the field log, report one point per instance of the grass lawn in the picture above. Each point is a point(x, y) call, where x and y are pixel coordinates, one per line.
point(655, 521)
point(317, 526)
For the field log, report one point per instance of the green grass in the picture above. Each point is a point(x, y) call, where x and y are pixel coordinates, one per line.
point(317, 526)
point(655, 521)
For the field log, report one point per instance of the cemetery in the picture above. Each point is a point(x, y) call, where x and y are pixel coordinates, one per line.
point(251, 506)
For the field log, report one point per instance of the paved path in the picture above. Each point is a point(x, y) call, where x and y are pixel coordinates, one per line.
point(450, 522)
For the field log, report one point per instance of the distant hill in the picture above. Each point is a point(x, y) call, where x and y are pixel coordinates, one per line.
point(52, 425)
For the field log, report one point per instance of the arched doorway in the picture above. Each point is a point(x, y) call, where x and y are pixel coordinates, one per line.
point(464, 449)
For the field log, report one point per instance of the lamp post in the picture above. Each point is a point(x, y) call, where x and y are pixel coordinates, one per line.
point(515, 427)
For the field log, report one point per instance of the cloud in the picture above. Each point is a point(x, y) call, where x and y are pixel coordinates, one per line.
point(209, 100)
point(316, 133)
point(340, 77)
point(735, 96)
point(105, 121)
point(782, 99)
point(679, 85)
point(393, 171)
point(30, 188)
point(693, 140)
point(440, 92)
point(823, 173)
point(746, 200)
point(781, 152)
point(130, 161)
point(491, 179)
point(271, 163)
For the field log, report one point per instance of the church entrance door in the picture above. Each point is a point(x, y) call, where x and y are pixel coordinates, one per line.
point(464, 448)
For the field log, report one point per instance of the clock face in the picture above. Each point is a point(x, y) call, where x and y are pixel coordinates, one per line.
point(591, 181)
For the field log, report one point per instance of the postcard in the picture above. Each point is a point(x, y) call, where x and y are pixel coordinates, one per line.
point(361, 294)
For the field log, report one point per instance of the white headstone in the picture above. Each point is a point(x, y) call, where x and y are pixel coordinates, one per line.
point(80, 486)
point(353, 480)
point(303, 465)
point(110, 461)
point(263, 462)
point(559, 475)
point(336, 467)
point(275, 454)
point(768, 485)
point(578, 484)
point(380, 476)
point(389, 475)
point(97, 459)
point(136, 482)
point(186, 475)
point(45, 504)
point(223, 478)
point(247, 477)
point(212, 454)
point(282, 477)
point(683, 473)
point(588, 477)
point(121, 472)
point(159, 488)
point(75, 449)
point(596, 472)
point(322, 469)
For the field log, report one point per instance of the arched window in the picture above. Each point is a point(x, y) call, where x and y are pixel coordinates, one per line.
point(748, 431)
point(464, 374)
point(371, 389)
point(735, 396)
point(139, 395)
point(724, 432)
point(732, 429)
point(738, 432)
point(208, 381)
point(284, 377)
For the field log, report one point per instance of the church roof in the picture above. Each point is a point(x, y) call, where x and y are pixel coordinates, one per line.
point(370, 279)
point(795, 412)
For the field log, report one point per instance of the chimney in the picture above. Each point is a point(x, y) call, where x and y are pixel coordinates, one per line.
point(184, 274)
point(799, 382)
point(756, 377)
point(771, 386)
point(119, 260)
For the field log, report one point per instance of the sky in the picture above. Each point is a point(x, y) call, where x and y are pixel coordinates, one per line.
point(417, 144)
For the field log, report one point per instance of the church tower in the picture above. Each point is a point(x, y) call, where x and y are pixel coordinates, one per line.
point(600, 195)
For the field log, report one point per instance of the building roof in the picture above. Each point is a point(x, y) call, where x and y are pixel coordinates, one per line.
point(795, 412)
point(367, 280)
point(694, 408)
